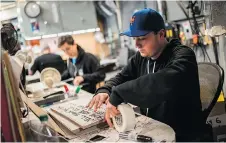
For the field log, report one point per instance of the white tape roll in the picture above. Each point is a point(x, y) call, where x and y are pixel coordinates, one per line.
point(126, 120)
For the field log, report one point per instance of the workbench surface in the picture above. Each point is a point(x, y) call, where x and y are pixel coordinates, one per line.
point(144, 126)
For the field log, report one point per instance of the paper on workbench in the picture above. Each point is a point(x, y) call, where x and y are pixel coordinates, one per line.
point(144, 126)
point(33, 87)
point(69, 125)
point(33, 77)
point(67, 133)
point(79, 114)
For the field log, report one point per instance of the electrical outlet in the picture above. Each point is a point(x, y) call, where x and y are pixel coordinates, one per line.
point(187, 29)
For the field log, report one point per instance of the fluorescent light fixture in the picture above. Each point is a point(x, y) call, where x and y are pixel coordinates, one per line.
point(91, 30)
point(86, 31)
point(49, 36)
point(33, 38)
point(79, 32)
point(61, 34)
point(64, 33)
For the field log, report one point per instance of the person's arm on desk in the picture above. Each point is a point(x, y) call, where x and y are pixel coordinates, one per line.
point(34, 67)
point(92, 65)
point(102, 94)
point(78, 80)
point(65, 75)
point(152, 89)
point(128, 73)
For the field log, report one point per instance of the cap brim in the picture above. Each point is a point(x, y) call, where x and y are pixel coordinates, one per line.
point(136, 33)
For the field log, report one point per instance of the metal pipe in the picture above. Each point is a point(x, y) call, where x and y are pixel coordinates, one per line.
point(222, 53)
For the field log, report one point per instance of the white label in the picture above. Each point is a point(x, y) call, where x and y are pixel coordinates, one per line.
point(80, 72)
point(217, 121)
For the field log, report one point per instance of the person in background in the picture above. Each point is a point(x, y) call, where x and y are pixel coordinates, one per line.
point(83, 67)
point(46, 60)
point(161, 78)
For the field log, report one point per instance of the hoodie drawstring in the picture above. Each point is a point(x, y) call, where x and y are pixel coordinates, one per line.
point(153, 71)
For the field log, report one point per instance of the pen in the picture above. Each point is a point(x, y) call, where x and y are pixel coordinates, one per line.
point(136, 137)
point(142, 138)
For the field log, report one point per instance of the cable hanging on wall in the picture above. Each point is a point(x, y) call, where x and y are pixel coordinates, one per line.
point(195, 10)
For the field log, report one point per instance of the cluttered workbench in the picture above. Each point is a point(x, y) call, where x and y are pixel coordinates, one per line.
point(88, 129)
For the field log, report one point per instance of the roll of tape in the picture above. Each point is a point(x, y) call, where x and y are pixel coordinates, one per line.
point(126, 120)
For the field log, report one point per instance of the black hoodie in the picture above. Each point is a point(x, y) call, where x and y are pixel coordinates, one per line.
point(87, 66)
point(170, 93)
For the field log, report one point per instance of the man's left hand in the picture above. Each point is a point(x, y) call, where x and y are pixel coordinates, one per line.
point(78, 80)
point(111, 111)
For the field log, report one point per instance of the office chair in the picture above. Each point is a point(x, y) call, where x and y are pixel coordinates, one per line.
point(211, 79)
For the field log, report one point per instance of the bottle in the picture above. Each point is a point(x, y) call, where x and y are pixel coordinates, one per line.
point(77, 90)
point(66, 95)
point(72, 92)
point(45, 133)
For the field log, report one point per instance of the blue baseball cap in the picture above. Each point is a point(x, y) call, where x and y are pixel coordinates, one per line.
point(143, 22)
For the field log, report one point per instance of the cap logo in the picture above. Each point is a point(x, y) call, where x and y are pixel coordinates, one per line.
point(132, 20)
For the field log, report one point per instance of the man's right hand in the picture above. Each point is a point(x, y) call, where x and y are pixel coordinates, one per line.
point(98, 100)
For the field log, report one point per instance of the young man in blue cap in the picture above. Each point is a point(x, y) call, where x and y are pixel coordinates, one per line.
point(161, 79)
